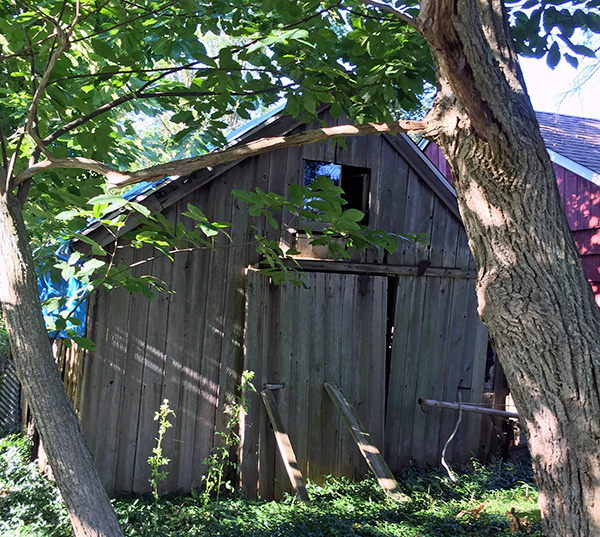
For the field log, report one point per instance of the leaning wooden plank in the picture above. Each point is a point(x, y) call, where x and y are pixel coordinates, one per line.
point(365, 445)
point(285, 447)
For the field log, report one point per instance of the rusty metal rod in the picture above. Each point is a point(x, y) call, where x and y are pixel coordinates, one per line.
point(469, 408)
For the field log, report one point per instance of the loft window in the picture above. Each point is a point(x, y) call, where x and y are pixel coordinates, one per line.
point(353, 180)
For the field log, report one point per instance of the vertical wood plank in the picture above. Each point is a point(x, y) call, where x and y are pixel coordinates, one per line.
point(154, 361)
point(214, 262)
point(285, 447)
point(255, 325)
point(128, 419)
point(111, 388)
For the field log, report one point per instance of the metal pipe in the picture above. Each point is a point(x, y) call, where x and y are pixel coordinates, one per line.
point(469, 408)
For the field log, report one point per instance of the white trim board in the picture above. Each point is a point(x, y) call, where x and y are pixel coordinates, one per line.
point(574, 167)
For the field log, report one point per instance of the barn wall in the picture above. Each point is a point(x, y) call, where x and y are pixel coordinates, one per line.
point(581, 200)
point(187, 345)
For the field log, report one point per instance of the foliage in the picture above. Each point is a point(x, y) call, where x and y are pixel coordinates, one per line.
point(85, 79)
point(30, 505)
point(157, 460)
point(476, 505)
point(219, 459)
point(550, 28)
point(100, 267)
point(341, 507)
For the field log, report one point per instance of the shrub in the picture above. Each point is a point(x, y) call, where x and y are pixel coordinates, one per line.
point(30, 504)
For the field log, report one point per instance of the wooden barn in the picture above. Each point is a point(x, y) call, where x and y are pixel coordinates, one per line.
point(574, 147)
point(388, 329)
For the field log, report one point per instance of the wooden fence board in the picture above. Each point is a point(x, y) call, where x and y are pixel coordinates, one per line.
point(112, 383)
point(318, 309)
point(456, 330)
point(215, 330)
point(302, 375)
point(441, 355)
point(330, 421)
point(248, 449)
point(284, 358)
point(426, 366)
point(271, 299)
point(406, 351)
point(417, 219)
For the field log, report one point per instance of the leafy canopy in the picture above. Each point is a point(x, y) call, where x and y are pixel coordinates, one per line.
point(134, 82)
point(84, 76)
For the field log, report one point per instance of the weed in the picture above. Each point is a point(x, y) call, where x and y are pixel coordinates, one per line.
point(219, 459)
point(483, 502)
point(157, 459)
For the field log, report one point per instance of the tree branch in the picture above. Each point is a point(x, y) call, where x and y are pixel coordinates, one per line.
point(128, 21)
point(402, 16)
point(63, 45)
point(117, 179)
point(150, 95)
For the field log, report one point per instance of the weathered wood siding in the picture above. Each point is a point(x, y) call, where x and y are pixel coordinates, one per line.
point(187, 345)
point(332, 330)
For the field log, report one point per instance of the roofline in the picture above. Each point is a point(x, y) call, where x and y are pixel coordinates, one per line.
point(444, 190)
point(574, 167)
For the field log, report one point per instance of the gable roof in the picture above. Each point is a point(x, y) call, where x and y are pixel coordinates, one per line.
point(573, 142)
point(162, 194)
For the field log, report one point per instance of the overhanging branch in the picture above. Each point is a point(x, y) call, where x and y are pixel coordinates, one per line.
point(389, 9)
point(117, 179)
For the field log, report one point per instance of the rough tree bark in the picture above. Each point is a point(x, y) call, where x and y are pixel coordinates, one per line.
point(76, 476)
point(533, 294)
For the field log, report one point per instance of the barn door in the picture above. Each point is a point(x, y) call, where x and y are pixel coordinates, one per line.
point(332, 330)
point(438, 352)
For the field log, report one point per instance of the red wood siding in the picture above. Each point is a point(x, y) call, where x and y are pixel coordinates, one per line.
point(581, 200)
point(434, 154)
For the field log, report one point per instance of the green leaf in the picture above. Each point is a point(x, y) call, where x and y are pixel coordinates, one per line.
point(553, 56)
point(571, 60)
point(67, 215)
point(84, 343)
point(106, 198)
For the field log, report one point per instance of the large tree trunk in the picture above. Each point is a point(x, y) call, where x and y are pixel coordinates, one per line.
point(71, 462)
point(533, 294)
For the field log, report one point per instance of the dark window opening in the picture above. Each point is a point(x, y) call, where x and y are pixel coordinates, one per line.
point(353, 180)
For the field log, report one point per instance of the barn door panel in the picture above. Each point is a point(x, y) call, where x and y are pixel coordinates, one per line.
point(438, 352)
point(332, 330)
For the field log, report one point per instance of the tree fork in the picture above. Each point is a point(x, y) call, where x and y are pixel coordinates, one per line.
point(88, 504)
point(546, 334)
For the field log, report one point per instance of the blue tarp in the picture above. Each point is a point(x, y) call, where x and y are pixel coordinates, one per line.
point(69, 289)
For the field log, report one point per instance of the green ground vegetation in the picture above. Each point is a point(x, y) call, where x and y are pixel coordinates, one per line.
point(491, 500)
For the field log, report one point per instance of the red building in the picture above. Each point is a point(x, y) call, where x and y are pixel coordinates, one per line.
point(574, 147)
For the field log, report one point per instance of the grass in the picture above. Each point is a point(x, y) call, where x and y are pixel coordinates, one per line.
point(476, 505)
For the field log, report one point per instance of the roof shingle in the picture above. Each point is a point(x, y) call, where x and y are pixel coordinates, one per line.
point(575, 138)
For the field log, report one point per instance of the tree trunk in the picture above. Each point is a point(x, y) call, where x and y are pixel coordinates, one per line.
point(76, 476)
point(533, 294)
